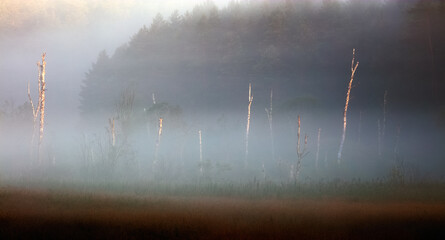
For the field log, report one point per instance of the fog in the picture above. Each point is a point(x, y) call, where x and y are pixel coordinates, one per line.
point(130, 63)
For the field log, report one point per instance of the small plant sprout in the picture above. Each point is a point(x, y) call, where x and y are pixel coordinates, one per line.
point(354, 66)
point(248, 123)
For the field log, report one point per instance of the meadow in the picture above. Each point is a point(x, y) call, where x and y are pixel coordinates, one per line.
point(334, 210)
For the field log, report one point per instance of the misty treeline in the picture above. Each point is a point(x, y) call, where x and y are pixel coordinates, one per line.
point(295, 47)
point(202, 61)
point(172, 103)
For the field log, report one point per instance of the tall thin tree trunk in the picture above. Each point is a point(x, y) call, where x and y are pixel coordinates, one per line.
point(158, 143)
point(248, 124)
point(42, 104)
point(40, 108)
point(353, 69)
point(300, 153)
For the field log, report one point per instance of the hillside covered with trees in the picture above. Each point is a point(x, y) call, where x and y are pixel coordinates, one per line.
point(301, 49)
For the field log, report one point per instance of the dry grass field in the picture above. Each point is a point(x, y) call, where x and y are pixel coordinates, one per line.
point(56, 214)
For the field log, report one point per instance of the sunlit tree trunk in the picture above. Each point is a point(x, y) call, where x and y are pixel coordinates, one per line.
point(353, 69)
point(42, 104)
point(158, 143)
point(301, 153)
point(248, 124)
point(40, 108)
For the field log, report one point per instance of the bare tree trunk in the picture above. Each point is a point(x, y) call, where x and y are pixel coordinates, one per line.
point(42, 99)
point(158, 143)
point(248, 124)
point(353, 69)
point(300, 153)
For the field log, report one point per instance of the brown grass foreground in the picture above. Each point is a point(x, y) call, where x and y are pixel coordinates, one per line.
point(49, 215)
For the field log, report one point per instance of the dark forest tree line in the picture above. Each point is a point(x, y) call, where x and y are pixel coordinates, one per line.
point(299, 48)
